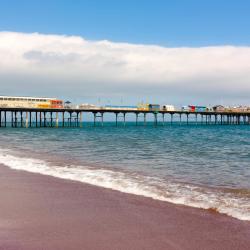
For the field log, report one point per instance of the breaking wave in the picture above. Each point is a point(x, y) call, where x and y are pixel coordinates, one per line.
point(233, 202)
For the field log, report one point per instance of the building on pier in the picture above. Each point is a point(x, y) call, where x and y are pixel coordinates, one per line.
point(29, 102)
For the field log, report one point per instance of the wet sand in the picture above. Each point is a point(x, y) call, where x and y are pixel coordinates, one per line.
point(42, 212)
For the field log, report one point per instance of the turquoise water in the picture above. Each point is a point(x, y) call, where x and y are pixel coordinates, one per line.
point(196, 165)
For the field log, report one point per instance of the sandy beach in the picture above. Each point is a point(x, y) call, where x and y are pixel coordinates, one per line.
point(42, 212)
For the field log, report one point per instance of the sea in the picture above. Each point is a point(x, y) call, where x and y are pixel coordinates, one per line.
point(204, 166)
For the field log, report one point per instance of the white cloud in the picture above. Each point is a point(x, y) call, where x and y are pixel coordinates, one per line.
point(55, 61)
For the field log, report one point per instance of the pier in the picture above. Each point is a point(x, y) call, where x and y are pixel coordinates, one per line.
point(74, 117)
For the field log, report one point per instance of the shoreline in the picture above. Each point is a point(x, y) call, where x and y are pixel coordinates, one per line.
point(43, 212)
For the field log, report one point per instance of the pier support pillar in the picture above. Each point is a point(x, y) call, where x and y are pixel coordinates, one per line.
point(145, 119)
point(15, 123)
point(5, 119)
point(116, 118)
point(187, 118)
point(57, 120)
point(102, 118)
point(136, 119)
point(27, 120)
point(12, 119)
point(94, 119)
point(44, 119)
point(155, 119)
point(40, 119)
point(244, 119)
point(77, 119)
point(172, 119)
point(70, 119)
point(30, 119)
point(180, 119)
point(36, 120)
point(63, 119)
point(21, 119)
point(51, 119)
point(163, 119)
point(124, 119)
point(81, 119)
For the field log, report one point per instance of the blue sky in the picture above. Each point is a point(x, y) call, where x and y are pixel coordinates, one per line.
point(92, 50)
point(163, 22)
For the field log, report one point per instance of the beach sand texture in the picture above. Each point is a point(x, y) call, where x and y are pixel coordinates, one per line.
point(42, 212)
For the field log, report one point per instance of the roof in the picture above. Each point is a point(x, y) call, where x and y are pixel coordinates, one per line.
point(218, 106)
point(27, 97)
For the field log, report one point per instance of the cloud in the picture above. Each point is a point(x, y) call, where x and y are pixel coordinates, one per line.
point(71, 63)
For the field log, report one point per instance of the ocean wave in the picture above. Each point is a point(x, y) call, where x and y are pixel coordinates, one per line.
point(233, 202)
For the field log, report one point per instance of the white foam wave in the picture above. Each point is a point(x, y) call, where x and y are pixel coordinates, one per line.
point(231, 203)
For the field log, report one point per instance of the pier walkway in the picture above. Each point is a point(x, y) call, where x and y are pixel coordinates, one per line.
point(69, 117)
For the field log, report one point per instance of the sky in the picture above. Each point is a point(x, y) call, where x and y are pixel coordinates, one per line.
point(124, 52)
